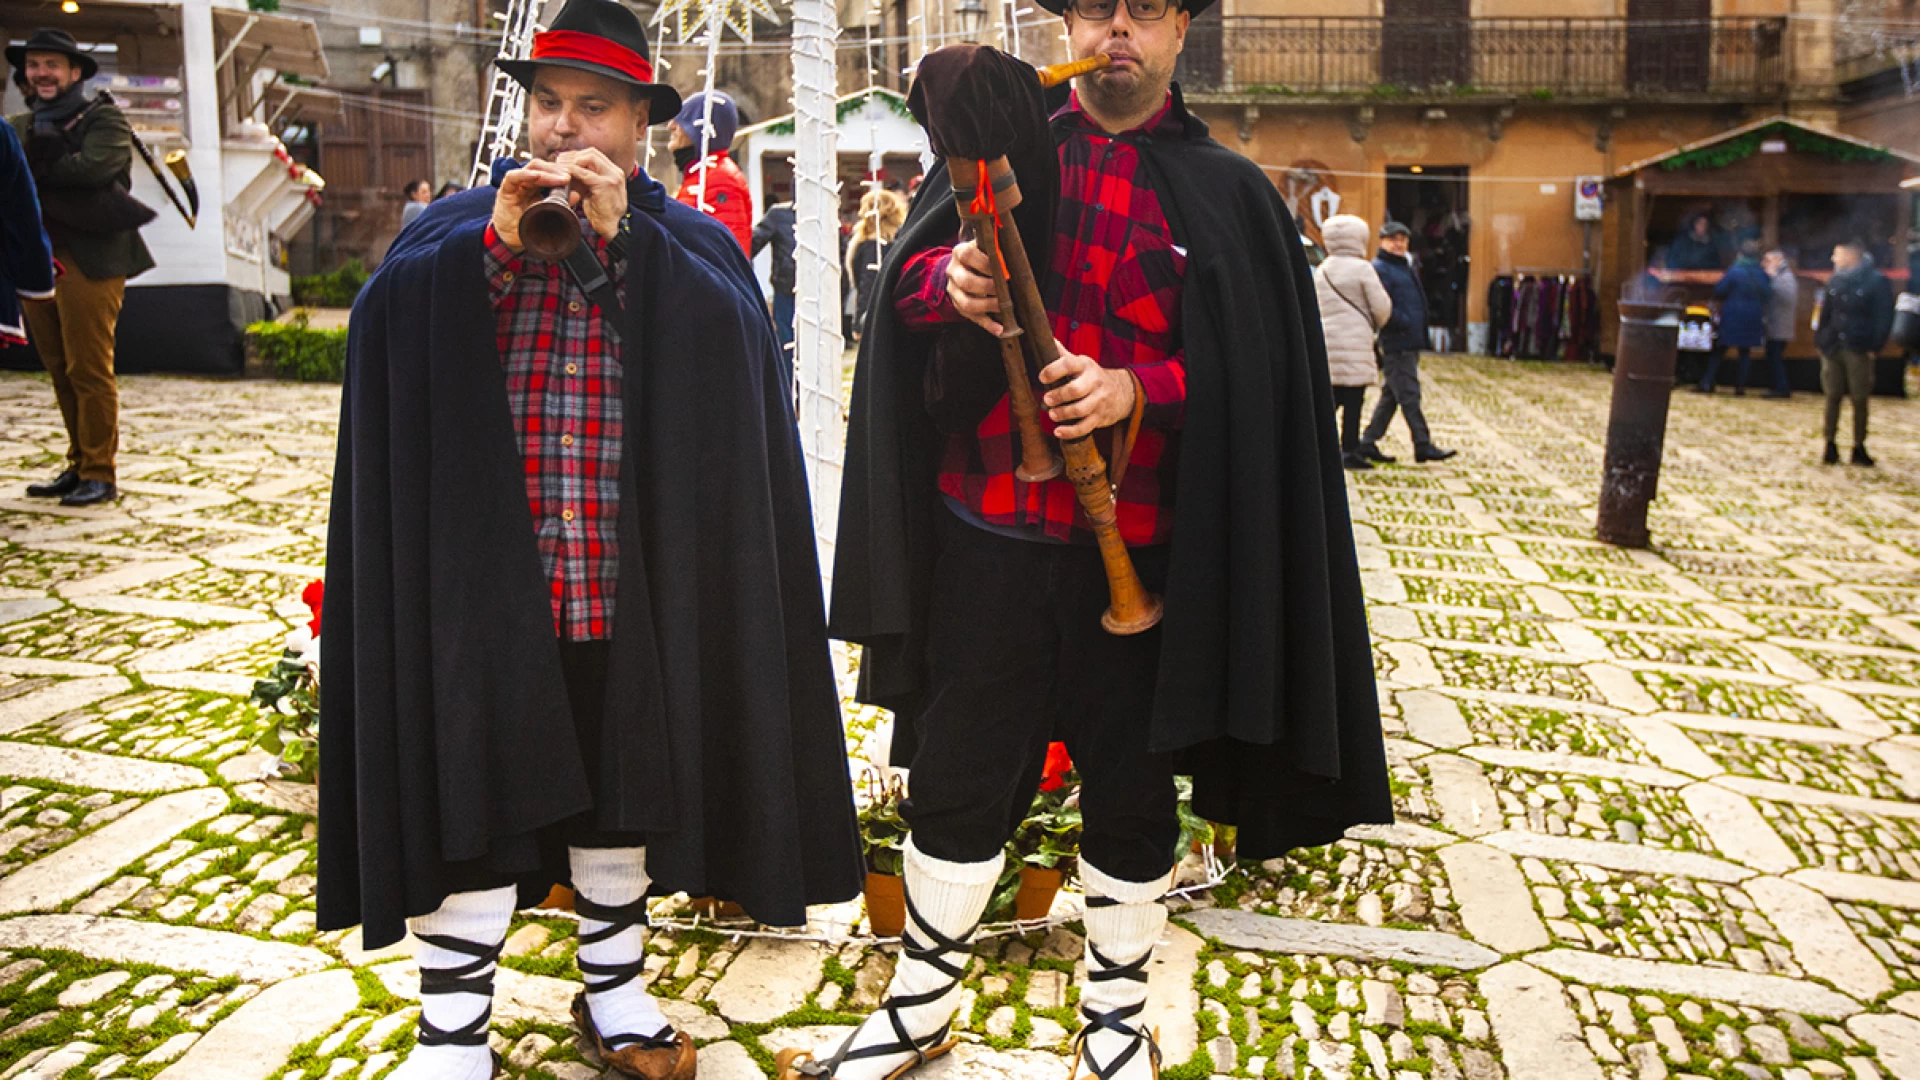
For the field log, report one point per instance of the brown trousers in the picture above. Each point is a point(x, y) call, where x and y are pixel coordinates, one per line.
point(73, 333)
point(1845, 374)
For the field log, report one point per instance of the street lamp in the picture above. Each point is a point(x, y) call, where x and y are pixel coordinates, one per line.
point(972, 15)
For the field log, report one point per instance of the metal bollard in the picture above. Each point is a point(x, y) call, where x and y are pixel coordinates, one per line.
point(1637, 422)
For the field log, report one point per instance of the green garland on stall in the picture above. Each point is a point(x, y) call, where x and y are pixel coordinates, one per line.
point(1733, 151)
point(847, 108)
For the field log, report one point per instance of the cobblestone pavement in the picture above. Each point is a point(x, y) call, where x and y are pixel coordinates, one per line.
point(1658, 809)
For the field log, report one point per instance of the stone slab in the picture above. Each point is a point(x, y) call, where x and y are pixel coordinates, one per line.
point(101, 772)
point(206, 682)
point(1173, 1007)
point(1822, 943)
point(1867, 888)
point(1599, 768)
point(1402, 834)
point(1540, 1037)
point(17, 714)
point(1620, 688)
point(1897, 1038)
point(1495, 903)
point(1434, 719)
point(1265, 933)
point(1467, 803)
point(1738, 829)
point(1774, 791)
point(1717, 984)
point(1845, 710)
point(180, 610)
point(768, 980)
point(93, 860)
point(208, 647)
point(1670, 746)
point(255, 1042)
point(25, 608)
point(188, 948)
point(1633, 858)
point(130, 575)
point(1769, 729)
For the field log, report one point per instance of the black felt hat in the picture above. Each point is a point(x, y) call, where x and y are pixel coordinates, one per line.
point(53, 41)
point(605, 38)
point(1192, 7)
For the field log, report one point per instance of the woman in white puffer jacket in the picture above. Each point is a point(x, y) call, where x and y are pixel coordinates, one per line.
point(1353, 307)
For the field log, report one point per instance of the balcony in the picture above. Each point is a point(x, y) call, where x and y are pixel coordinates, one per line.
point(1263, 58)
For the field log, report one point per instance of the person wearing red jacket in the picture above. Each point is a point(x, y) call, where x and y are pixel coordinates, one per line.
point(710, 182)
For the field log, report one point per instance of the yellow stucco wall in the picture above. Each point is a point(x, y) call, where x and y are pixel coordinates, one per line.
point(1517, 221)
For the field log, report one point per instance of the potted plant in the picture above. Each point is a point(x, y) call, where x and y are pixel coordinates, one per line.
point(1048, 841)
point(883, 840)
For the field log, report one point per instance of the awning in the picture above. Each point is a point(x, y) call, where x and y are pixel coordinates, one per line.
point(256, 39)
point(96, 21)
point(289, 104)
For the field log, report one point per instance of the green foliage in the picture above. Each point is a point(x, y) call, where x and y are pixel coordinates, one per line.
point(883, 832)
point(338, 289)
point(290, 700)
point(263, 5)
point(849, 105)
point(301, 353)
point(1733, 151)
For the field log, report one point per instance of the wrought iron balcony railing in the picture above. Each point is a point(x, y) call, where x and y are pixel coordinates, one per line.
point(1541, 58)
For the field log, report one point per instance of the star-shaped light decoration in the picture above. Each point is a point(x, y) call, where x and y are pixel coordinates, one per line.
point(690, 17)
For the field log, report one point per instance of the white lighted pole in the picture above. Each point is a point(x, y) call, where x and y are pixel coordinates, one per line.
point(818, 347)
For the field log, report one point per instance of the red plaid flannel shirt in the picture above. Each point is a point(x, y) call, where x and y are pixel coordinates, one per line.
point(563, 386)
point(1113, 291)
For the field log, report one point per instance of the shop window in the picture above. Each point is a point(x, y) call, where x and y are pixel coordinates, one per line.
point(1810, 226)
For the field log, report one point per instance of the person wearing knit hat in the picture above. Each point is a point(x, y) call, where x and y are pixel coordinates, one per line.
point(711, 183)
point(575, 629)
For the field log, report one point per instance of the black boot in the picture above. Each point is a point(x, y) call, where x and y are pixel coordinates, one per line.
point(1352, 460)
point(1372, 453)
point(1860, 457)
point(1831, 456)
point(1430, 452)
point(58, 488)
point(91, 493)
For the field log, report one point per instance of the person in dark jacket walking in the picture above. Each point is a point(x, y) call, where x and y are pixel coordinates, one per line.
point(1744, 292)
point(1783, 313)
point(1851, 326)
point(80, 150)
point(1400, 343)
point(776, 228)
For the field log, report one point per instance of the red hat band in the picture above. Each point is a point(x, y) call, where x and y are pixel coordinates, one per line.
point(592, 48)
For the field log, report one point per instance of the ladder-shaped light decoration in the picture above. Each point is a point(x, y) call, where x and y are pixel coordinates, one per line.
point(506, 99)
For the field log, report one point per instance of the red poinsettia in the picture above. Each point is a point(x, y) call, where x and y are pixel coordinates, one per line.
point(1053, 775)
point(312, 596)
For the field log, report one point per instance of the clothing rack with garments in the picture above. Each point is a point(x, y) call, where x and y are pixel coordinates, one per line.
point(1540, 313)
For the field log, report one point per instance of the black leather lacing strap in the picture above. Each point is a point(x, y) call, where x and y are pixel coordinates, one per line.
point(601, 978)
point(940, 955)
point(463, 979)
point(1114, 1020)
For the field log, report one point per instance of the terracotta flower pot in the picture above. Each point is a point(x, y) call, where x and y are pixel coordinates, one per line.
point(886, 904)
point(559, 898)
point(1038, 887)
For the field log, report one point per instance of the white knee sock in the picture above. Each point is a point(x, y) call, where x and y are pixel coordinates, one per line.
point(614, 877)
point(479, 919)
point(950, 898)
point(1124, 922)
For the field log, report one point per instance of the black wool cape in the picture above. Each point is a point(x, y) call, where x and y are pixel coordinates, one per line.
point(446, 733)
point(1266, 691)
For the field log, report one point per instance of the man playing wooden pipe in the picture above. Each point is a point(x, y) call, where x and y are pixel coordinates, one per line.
point(574, 622)
point(1175, 283)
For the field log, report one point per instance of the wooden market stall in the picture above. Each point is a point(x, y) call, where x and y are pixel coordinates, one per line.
point(1780, 181)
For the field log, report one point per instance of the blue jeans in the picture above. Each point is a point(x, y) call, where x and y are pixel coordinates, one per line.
point(1777, 361)
point(783, 322)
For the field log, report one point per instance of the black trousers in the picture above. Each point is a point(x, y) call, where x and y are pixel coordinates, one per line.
point(1400, 388)
point(1017, 658)
point(1346, 402)
point(584, 663)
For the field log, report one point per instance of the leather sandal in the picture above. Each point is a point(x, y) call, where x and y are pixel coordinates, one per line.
point(664, 1055)
point(797, 1064)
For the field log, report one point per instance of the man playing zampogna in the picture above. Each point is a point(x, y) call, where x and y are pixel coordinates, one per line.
point(574, 623)
point(1176, 286)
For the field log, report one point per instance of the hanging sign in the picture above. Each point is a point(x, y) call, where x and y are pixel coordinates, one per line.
point(1588, 198)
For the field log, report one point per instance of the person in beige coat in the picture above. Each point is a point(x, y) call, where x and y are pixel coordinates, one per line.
point(1353, 308)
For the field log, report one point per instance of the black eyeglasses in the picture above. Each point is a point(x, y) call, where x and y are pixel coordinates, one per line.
point(1099, 11)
